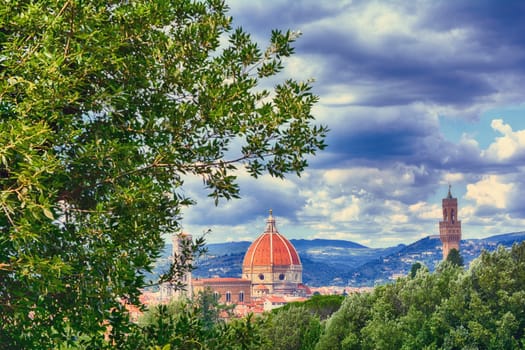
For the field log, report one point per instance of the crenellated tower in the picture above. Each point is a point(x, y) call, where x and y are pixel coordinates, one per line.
point(450, 227)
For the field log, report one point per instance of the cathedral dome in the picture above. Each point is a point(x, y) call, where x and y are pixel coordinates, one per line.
point(271, 249)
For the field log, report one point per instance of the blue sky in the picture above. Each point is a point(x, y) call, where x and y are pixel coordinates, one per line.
point(417, 94)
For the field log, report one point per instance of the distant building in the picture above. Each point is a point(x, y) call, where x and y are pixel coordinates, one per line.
point(183, 287)
point(273, 302)
point(226, 290)
point(450, 227)
point(273, 265)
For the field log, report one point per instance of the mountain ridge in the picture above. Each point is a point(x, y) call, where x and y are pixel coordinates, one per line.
point(347, 263)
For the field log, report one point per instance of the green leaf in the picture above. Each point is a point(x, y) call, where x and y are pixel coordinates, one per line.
point(48, 214)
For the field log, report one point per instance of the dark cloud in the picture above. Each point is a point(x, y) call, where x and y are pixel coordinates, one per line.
point(404, 68)
point(263, 15)
point(399, 78)
point(516, 203)
point(376, 144)
point(495, 23)
point(410, 68)
point(408, 139)
point(488, 211)
point(257, 198)
point(386, 139)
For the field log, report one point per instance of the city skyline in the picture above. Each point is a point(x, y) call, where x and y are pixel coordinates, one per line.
point(417, 95)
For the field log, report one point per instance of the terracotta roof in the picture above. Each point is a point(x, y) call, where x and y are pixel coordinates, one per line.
point(261, 287)
point(221, 279)
point(274, 299)
point(305, 288)
point(271, 248)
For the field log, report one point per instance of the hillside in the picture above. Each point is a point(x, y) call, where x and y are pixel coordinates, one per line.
point(337, 262)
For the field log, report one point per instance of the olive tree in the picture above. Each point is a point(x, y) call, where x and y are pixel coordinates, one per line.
point(105, 108)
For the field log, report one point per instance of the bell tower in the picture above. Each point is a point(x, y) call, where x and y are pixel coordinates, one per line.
point(450, 227)
point(181, 286)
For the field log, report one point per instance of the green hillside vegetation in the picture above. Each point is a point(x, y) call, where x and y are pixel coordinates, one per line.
point(450, 308)
point(195, 324)
point(321, 305)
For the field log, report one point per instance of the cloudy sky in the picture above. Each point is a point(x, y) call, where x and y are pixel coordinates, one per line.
point(417, 94)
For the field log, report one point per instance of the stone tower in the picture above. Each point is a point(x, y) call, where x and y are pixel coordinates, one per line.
point(168, 290)
point(450, 227)
point(179, 243)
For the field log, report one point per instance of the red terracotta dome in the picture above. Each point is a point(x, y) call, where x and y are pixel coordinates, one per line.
point(271, 249)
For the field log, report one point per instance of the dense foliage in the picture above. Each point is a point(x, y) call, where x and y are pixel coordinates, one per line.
point(293, 328)
point(323, 306)
point(454, 257)
point(196, 325)
point(480, 308)
point(105, 108)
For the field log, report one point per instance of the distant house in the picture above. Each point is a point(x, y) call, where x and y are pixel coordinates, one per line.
point(226, 290)
point(273, 302)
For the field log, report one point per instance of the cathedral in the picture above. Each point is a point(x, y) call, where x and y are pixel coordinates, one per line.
point(271, 266)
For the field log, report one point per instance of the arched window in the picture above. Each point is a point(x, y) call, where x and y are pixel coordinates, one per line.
point(452, 218)
point(241, 296)
point(444, 214)
point(228, 297)
point(216, 296)
point(282, 276)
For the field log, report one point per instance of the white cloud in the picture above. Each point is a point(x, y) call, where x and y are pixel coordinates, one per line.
point(450, 178)
point(490, 191)
point(398, 219)
point(380, 19)
point(467, 213)
point(338, 94)
point(348, 213)
point(303, 67)
point(511, 144)
point(425, 211)
point(372, 178)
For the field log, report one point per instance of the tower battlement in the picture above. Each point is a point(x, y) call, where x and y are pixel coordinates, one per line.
point(450, 227)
